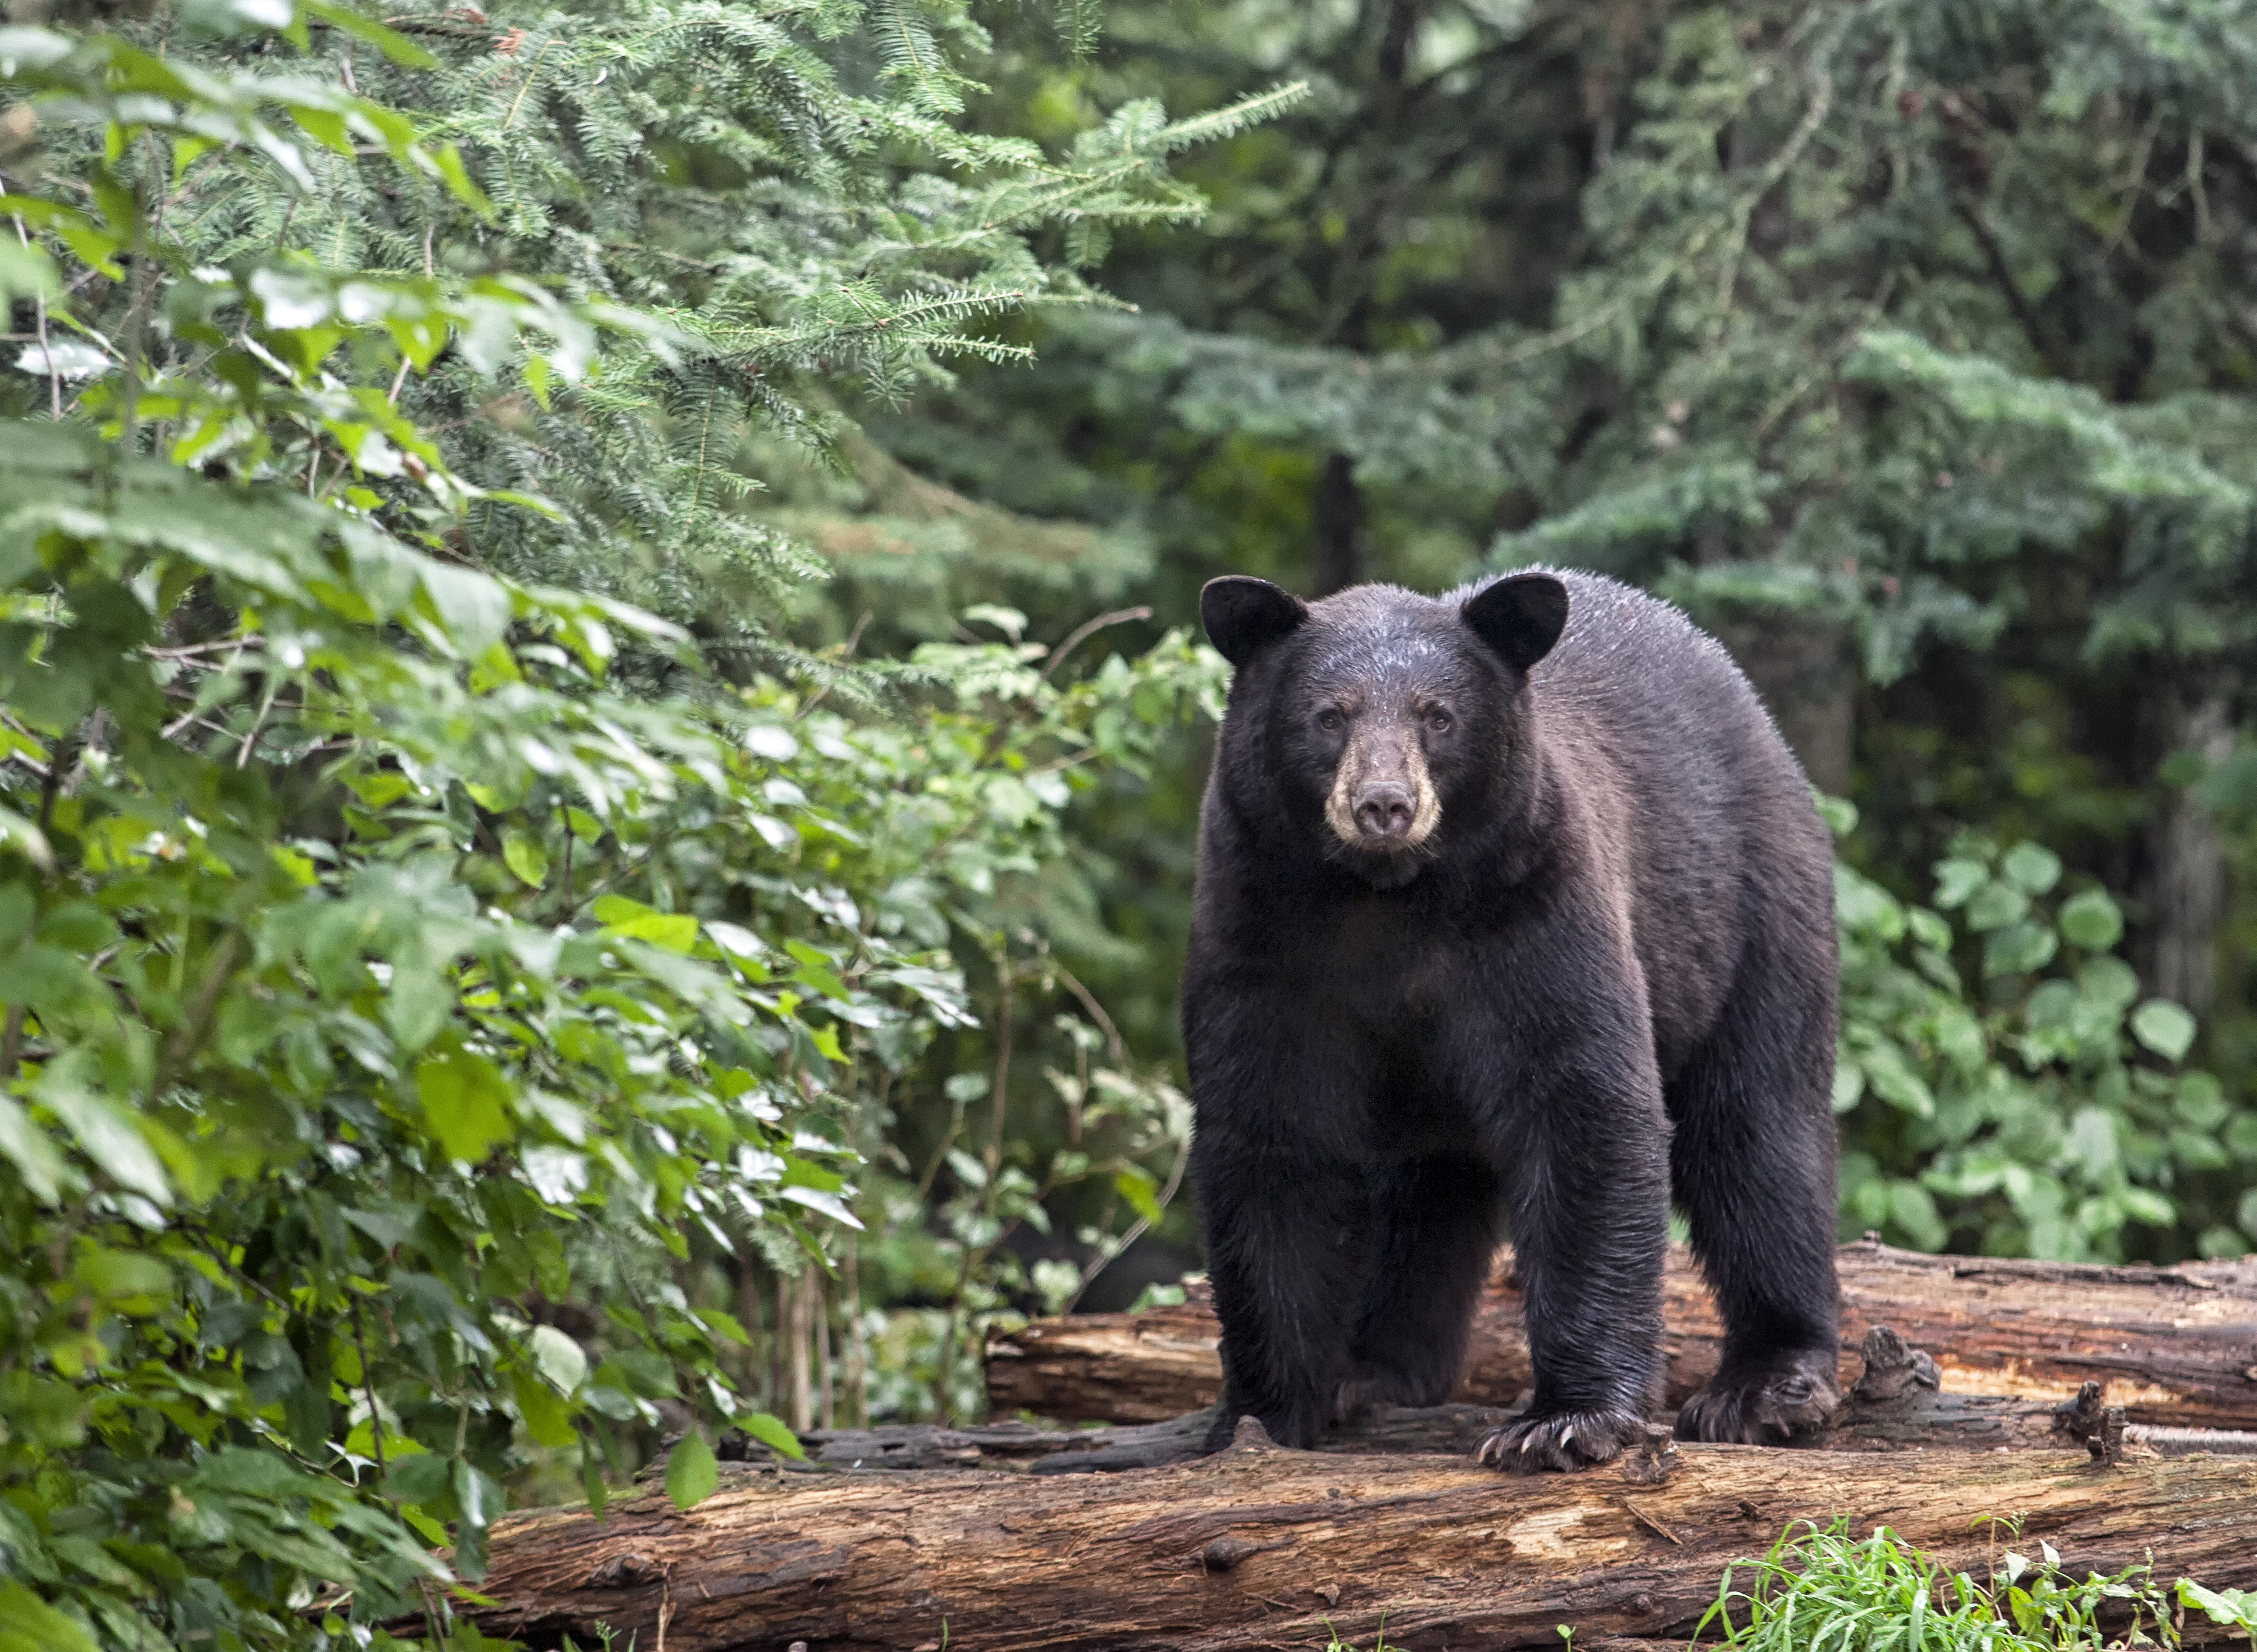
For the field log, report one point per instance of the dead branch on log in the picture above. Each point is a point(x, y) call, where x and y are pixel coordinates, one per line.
point(2177, 1347)
point(1259, 1547)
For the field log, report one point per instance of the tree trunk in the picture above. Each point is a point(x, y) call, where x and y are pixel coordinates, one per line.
point(1801, 671)
point(1260, 1548)
point(2186, 901)
point(1337, 559)
point(2177, 1347)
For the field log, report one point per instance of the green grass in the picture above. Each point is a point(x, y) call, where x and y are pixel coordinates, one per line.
point(1821, 1590)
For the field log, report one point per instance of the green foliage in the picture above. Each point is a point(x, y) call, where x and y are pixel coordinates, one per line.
point(421, 978)
point(1821, 1590)
point(2237, 1608)
point(1907, 345)
point(2004, 1088)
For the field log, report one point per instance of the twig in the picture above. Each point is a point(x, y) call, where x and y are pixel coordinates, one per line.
point(1874, 309)
point(251, 738)
point(1651, 1524)
point(1137, 1230)
point(190, 1032)
point(1113, 1047)
point(39, 308)
point(2133, 183)
point(845, 653)
point(565, 810)
point(1087, 629)
point(2002, 277)
point(2195, 187)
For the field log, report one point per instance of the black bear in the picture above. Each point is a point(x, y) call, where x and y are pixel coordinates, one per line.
point(1514, 915)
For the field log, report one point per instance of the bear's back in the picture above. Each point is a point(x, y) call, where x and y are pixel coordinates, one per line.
point(1633, 673)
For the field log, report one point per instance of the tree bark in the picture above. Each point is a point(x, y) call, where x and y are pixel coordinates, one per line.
point(2177, 1347)
point(1336, 562)
point(1895, 1405)
point(1803, 673)
point(1259, 1547)
point(2186, 847)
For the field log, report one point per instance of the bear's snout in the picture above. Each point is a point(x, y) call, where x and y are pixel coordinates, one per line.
point(1384, 809)
point(1382, 803)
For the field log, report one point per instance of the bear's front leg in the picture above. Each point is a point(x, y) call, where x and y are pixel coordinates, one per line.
point(1282, 1233)
point(1584, 1155)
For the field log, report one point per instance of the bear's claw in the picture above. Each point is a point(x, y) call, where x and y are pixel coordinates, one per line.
point(1565, 1441)
point(1773, 1407)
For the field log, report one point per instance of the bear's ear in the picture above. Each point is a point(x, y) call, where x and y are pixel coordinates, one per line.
point(1521, 617)
point(1243, 615)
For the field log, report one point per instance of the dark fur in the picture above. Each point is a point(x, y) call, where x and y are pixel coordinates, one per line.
point(1609, 976)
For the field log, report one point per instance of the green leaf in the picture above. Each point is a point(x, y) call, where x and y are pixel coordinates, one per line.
point(29, 1624)
point(391, 42)
point(1136, 1185)
point(521, 852)
point(561, 1361)
point(234, 17)
point(2164, 1028)
point(2031, 868)
point(691, 1472)
point(674, 932)
point(547, 1417)
point(1994, 905)
point(774, 1433)
point(2092, 921)
point(1010, 621)
point(2201, 1101)
point(2018, 950)
point(1956, 879)
point(25, 1146)
point(473, 607)
point(591, 1478)
point(828, 1203)
point(2234, 1608)
point(466, 1103)
point(1914, 1211)
point(106, 1132)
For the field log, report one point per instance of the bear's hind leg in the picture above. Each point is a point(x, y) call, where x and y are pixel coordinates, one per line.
point(1438, 1221)
point(1752, 1158)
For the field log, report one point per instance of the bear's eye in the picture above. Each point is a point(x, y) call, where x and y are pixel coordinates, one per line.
point(1439, 720)
point(1328, 720)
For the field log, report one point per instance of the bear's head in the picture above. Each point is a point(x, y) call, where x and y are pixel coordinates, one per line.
point(1372, 720)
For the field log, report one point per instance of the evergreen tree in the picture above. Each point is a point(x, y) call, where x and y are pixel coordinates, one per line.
point(437, 997)
point(1903, 344)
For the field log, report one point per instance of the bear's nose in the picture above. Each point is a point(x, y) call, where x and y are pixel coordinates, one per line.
point(1383, 809)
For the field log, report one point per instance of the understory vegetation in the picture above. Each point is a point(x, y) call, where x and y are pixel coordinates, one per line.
point(600, 725)
point(1823, 1588)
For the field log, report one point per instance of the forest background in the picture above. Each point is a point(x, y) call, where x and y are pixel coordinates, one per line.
point(603, 721)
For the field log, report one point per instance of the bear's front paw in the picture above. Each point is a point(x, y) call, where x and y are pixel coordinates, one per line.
point(1570, 1440)
point(1785, 1400)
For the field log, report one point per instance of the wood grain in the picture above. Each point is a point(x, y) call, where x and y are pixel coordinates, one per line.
point(2176, 1347)
point(1260, 1548)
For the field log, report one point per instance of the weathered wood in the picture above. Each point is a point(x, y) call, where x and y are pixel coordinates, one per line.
point(2177, 1347)
point(1894, 1405)
point(1939, 1423)
point(1260, 1548)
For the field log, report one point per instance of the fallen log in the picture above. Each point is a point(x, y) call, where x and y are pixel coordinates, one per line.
point(2177, 1347)
point(1893, 1406)
point(1262, 1547)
